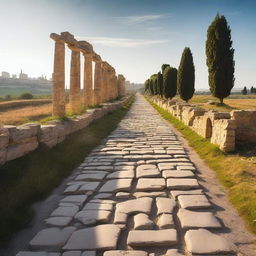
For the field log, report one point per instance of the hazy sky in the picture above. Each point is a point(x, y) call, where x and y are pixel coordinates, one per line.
point(134, 36)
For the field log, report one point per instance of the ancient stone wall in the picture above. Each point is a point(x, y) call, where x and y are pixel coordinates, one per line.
point(245, 121)
point(17, 141)
point(216, 126)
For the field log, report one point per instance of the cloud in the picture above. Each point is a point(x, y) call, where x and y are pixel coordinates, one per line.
point(121, 42)
point(141, 18)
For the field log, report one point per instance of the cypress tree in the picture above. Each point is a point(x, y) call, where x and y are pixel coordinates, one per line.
point(219, 53)
point(146, 84)
point(163, 67)
point(244, 91)
point(186, 76)
point(151, 86)
point(170, 82)
point(160, 84)
point(153, 79)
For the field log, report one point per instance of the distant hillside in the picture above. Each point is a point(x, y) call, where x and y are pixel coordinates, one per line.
point(14, 87)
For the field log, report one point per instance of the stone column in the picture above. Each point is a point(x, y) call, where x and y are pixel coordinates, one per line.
point(75, 92)
point(97, 83)
point(121, 85)
point(88, 90)
point(58, 80)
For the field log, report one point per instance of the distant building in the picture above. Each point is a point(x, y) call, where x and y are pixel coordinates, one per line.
point(14, 76)
point(23, 75)
point(5, 74)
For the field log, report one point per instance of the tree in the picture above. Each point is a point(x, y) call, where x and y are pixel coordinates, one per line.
point(170, 82)
point(26, 96)
point(153, 79)
point(160, 84)
point(186, 76)
point(219, 53)
point(164, 66)
point(151, 86)
point(244, 91)
point(147, 86)
point(252, 90)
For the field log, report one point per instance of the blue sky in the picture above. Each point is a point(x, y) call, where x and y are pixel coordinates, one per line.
point(134, 36)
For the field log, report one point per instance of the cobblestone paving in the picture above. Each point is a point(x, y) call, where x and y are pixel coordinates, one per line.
point(137, 195)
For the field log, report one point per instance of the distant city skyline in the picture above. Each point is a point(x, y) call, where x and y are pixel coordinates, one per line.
point(136, 37)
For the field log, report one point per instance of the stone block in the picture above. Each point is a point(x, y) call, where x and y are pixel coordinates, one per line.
point(48, 135)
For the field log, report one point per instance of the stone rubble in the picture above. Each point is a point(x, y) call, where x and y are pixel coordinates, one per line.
point(135, 195)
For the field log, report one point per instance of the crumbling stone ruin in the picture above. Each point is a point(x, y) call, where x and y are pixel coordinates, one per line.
point(106, 86)
point(222, 128)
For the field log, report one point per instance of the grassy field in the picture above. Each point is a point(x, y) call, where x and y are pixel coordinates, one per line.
point(32, 177)
point(230, 103)
point(235, 171)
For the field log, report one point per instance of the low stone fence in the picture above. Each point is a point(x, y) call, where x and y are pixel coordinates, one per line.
point(222, 128)
point(17, 141)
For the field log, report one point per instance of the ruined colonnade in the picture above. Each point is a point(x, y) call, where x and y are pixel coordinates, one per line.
point(104, 86)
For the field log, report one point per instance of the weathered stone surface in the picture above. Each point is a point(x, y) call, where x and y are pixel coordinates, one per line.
point(140, 205)
point(166, 166)
point(173, 252)
point(163, 237)
point(72, 253)
point(165, 205)
point(89, 253)
point(58, 221)
point(121, 175)
point(165, 221)
point(142, 221)
point(190, 219)
point(202, 241)
point(122, 195)
point(194, 201)
point(177, 174)
point(147, 170)
point(103, 195)
point(89, 186)
point(98, 206)
point(75, 199)
point(176, 193)
point(93, 238)
point(182, 183)
point(91, 176)
point(65, 211)
point(150, 194)
point(116, 185)
point(125, 253)
point(90, 217)
point(149, 184)
point(51, 238)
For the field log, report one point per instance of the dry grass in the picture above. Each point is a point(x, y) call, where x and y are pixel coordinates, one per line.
point(233, 102)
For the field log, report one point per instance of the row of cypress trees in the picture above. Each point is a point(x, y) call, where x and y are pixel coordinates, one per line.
point(219, 60)
point(170, 80)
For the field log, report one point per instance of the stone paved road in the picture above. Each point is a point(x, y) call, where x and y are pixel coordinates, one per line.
point(137, 195)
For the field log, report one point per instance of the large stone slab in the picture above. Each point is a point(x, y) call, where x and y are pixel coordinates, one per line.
point(176, 193)
point(75, 199)
point(150, 184)
point(182, 183)
point(142, 221)
point(125, 253)
point(147, 170)
point(98, 206)
point(51, 238)
point(102, 237)
point(194, 201)
point(165, 205)
point(89, 186)
point(58, 221)
point(165, 237)
point(116, 185)
point(121, 175)
point(150, 194)
point(177, 174)
point(63, 211)
point(165, 221)
point(190, 219)
point(96, 176)
point(90, 217)
point(202, 241)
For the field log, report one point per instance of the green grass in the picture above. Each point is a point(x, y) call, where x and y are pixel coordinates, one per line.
point(31, 178)
point(237, 171)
